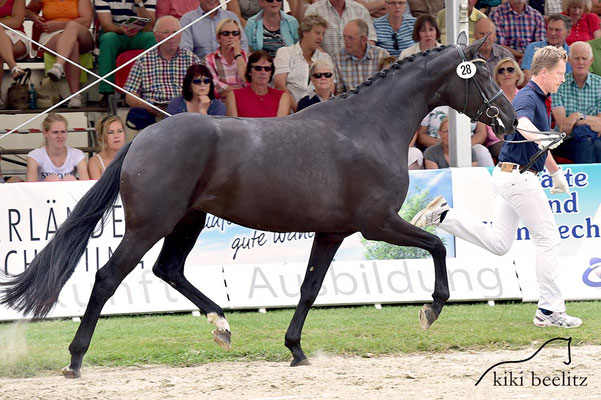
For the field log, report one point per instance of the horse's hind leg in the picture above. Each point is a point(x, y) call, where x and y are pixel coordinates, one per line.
point(170, 267)
point(128, 254)
point(324, 248)
point(399, 232)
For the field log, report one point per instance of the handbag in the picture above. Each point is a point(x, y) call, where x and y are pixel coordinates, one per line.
point(47, 94)
point(17, 96)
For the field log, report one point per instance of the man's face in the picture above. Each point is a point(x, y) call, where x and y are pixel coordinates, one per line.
point(557, 33)
point(483, 28)
point(395, 8)
point(208, 5)
point(354, 43)
point(555, 76)
point(580, 60)
point(167, 28)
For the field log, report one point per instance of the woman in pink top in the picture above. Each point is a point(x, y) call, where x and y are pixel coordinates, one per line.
point(258, 100)
point(585, 25)
point(12, 46)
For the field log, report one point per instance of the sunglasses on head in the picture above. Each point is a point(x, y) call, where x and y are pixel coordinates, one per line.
point(227, 33)
point(318, 75)
point(508, 69)
point(266, 68)
point(395, 41)
point(198, 81)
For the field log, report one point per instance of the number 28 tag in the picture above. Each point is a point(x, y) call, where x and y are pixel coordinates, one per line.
point(466, 70)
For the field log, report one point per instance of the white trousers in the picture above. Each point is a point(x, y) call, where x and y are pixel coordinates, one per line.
point(517, 197)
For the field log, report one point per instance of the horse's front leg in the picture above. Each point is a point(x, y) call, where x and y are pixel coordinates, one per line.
point(399, 232)
point(324, 248)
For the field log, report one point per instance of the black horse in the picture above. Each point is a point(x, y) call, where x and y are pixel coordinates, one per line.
point(335, 168)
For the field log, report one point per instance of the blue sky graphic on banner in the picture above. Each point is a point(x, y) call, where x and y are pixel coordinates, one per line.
point(222, 242)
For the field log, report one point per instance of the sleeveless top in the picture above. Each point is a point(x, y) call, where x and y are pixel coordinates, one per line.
point(101, 162)
point(251, 105)
point(46, 167)
point(7, 10)
point(61, 10)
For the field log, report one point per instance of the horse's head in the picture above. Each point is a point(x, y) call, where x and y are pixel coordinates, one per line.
point(471, 90)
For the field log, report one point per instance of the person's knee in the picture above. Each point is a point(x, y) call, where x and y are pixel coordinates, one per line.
point(108, 40)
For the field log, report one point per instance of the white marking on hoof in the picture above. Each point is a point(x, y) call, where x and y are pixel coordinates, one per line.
point(220, 322)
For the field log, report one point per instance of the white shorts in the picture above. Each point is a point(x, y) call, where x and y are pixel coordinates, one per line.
point(15, 38)
point(46, 36)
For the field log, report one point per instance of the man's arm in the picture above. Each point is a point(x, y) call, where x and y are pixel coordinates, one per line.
point(565, 123)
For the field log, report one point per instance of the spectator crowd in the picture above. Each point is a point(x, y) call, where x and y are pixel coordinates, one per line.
point(252, 59)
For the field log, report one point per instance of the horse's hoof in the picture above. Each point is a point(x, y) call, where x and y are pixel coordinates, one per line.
point(223, 339)
point(296, 362)
point(427, 316)
point(71, 373)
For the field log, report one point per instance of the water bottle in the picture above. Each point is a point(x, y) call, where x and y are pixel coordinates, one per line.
point(32, 96)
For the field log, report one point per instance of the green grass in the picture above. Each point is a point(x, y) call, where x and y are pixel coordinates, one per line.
point(28, 349)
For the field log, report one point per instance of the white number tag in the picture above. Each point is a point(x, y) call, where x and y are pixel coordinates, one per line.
point(466, 70)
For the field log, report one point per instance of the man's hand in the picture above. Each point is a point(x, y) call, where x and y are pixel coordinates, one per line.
point(543, 143)
point(568, 123)
point(560, 184)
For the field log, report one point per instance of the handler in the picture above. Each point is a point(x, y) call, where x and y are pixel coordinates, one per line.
point(519, 196)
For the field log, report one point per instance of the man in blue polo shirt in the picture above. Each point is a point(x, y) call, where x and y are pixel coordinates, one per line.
point(519, 196)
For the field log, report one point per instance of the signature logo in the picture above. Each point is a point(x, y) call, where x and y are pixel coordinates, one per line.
point(568, 340)
point(592, 271)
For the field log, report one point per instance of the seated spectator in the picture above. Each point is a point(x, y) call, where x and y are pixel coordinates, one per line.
point(438, 156)
point(271, 29)
point(322, 80)
point(12, 46)
point(552, 7)
point(8, 179)
point(115, 38)
point(596, 47)
point(111, 137)
point(474, 16)
point(577, 108)
point(158, 76)
point(56, 161)
point(65, 28)
point(200, 37)
point(297, 8)
point(427, 135)
point(558, 30)
point(394, 29)
point(358, 60)
point(585, 24)
point(490, 51)
point(426, 7)
point(258, 100)
point(175, 8)
point(338, 13)
point(198, 94)
point(292, 62)
point(228, 63)
point(517, 24)
point(426, 35)
point(245, 9)
point(508, 76)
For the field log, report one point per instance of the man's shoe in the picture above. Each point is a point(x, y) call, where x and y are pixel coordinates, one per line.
point(560, 319)
point(430, 215)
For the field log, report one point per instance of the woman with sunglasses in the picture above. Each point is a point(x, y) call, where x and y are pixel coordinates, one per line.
point(227, 65)
point(271, 28)
point(508, 76)
point(258, 100)
point(323, 82)
point(197, 94)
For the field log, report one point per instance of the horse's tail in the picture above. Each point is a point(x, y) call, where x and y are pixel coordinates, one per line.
point(36, 290)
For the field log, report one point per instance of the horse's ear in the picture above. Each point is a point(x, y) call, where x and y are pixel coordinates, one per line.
point(472, 49)
point(462, 39)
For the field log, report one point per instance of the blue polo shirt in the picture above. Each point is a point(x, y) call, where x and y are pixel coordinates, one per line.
point(532, 47)
point(530, 103)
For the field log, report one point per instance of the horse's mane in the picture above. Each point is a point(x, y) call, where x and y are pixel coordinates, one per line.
point(383, 73)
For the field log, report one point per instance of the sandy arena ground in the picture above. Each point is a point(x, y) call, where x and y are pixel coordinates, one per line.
point(416, 376)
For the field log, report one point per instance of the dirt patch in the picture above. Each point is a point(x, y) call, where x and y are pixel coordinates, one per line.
point(415, 376)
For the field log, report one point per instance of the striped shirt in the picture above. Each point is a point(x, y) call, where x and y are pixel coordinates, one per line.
point(351, 72)
point(224, 74)
point(158, 80)
point(518, 30)
point(403, 34)
point(121, 10)
point(586, 100)
point(333, 41)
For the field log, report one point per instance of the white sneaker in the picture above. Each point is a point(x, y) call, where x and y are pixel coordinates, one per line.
point(75, 102)
point(56, 72)
point(560, 319)
point(430, 215)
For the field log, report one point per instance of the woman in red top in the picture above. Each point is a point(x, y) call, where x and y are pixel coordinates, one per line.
point(258, 100)
point(585, 24)
point(12, 46)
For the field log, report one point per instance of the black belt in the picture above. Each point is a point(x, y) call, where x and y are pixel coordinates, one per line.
point(510, 167)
